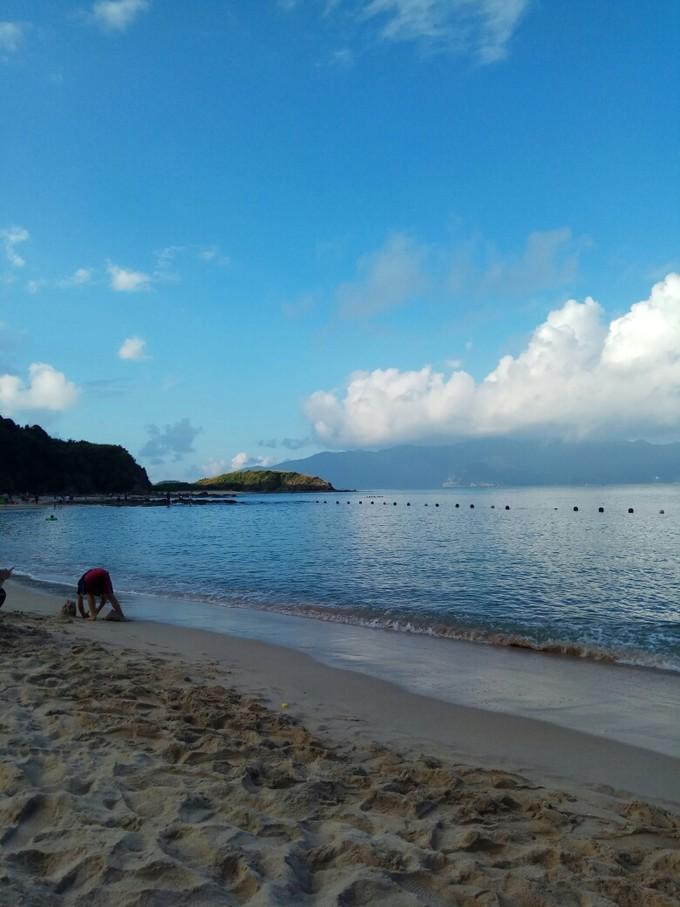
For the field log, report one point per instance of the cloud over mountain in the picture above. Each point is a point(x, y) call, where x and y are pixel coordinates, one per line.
point(579, 376)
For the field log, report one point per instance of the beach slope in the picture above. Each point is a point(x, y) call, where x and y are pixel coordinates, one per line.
point(132, 778)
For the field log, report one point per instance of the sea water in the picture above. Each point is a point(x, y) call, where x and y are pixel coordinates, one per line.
point(510, 567)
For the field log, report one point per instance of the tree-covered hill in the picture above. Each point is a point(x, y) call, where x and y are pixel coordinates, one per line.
point(32, 462)
point(264, 480)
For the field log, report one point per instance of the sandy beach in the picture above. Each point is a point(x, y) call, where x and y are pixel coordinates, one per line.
point(144, 764)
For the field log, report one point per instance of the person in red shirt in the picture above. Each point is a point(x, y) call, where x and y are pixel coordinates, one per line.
point(4, 574)
point(97, 583)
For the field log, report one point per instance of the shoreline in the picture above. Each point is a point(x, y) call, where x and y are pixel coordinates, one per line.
point(630, 704)
point(411, 625)
point(373, 708)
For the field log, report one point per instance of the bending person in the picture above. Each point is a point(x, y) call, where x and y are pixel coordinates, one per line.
point(97, 583)
point(4, 574)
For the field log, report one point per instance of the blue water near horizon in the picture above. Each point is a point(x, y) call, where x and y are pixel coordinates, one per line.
point(539, 575)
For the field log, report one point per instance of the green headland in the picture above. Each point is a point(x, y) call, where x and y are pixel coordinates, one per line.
point(258, 480)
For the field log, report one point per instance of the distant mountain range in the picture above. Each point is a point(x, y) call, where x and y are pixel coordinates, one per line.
point(496, 461)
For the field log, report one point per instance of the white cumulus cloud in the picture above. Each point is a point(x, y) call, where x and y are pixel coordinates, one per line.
point(12, 237)
point(239, 460)
point(46, 389)
point(243, 460)
point(579, 376)
point(117, 15)
point(125, 281)
point(133, 348)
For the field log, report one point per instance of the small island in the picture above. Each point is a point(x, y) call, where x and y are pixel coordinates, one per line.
point(262, 481)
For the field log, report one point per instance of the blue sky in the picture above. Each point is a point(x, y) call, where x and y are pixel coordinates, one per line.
point(240, 230)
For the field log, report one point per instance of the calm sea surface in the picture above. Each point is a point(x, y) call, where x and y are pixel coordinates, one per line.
point(539, 574)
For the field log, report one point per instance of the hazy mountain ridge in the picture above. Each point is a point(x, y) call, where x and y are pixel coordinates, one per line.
point(497, 461)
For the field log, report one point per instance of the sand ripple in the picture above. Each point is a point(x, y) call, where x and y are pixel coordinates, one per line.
point(126, 780)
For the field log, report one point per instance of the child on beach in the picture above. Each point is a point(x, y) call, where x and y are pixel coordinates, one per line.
point(4, 574)
point(97, 583)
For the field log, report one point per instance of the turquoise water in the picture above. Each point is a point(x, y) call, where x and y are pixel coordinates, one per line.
point(539, 574)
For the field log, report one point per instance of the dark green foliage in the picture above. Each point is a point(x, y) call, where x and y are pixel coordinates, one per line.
point(31, 462)
point(264, 480)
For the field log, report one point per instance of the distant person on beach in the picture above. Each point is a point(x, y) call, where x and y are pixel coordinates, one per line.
point(96, 583)
point(4, 574)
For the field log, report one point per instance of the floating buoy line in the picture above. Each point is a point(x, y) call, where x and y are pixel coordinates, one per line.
point(575, 508)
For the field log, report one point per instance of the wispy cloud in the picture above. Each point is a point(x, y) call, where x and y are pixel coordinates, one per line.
point(296, 443)
point(117, 15)
point(127, 281)
point(343, 58)
point(120, 279)
point(164, 270)
point(12, 237)
point(11, 37)
point(108, 387)
point(385, 278)
point(480, 27)
point(79, 278)
point(213, 255)
point(549, 260)
point(299, 307)
point(133, 348)
point(173, 441)
point(168, 257)
point(287, 443)
point(404, 270)
point(9, 338)
point(46, 390)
